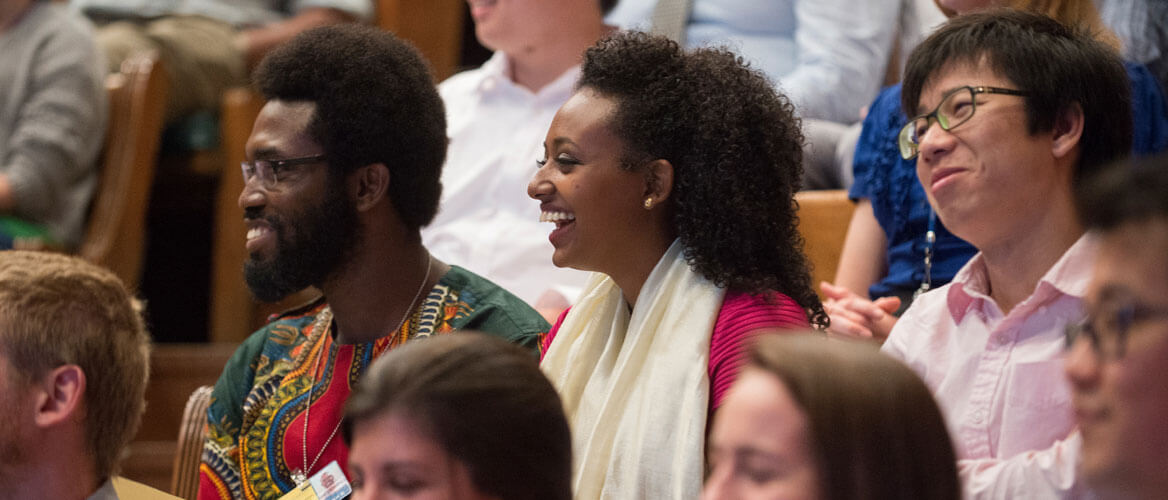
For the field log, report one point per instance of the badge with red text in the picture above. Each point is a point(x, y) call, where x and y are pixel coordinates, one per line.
point(327, 484)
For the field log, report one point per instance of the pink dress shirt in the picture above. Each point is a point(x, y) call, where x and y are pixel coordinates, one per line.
point(999, 378)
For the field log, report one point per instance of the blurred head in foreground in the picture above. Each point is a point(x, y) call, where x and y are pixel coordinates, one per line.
point(811, 418)
point(468, 416)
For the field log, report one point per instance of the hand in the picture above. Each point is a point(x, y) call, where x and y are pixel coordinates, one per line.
point(551, 304)
point(855, 316)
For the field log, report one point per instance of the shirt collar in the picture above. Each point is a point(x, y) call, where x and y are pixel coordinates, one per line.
point(105, 492)
point(1068, 276)
point(494, 71)
point(496, 76)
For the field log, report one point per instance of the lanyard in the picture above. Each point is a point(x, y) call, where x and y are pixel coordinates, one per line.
point(930, 241)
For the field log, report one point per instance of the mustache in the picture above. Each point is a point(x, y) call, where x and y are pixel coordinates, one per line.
point(256, 213)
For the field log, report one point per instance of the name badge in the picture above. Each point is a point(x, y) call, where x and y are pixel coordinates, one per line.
point(327, 484)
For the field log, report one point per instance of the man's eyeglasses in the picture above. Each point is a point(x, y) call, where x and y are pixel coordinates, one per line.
point(271, 172)
point(1107, 330)
point(956, 107)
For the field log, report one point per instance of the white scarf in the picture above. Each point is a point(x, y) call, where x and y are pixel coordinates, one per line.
point(636, 389)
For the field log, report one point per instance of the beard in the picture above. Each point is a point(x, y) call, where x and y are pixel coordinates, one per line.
point(311, 245)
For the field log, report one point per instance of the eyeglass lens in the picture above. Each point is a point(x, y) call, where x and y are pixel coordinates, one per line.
point(956, 108)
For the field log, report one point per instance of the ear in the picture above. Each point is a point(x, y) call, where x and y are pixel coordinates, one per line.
point(59, 395)
point(1068, 129)
point(369, 185)
point(658, 181)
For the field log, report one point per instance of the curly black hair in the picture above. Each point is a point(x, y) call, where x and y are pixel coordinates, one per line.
point(375, 103)
point(736, 149)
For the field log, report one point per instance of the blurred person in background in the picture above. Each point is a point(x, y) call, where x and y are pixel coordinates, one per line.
point(52, 123)
point(208, 46)
point(827, 56)
point(1142, 27)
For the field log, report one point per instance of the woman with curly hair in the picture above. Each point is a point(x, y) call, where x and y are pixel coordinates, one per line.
point(670, 174)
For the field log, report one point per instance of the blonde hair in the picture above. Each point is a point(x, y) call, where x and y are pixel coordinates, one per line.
point(1080, 13)
point(1071, 13)
point(58, 310)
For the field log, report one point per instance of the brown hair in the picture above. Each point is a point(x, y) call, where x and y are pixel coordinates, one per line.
point(1080, 13)
point(485, 402)
point(59, 310)
point(874, 428)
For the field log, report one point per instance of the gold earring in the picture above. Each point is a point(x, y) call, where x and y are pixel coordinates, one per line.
point(648, 203)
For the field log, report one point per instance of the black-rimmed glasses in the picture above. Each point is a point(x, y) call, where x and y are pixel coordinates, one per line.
point(269, 171)
point(1107, 330)
point(956, 107)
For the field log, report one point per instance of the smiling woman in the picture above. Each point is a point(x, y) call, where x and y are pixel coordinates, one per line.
point(812, 418)
point(670, 174)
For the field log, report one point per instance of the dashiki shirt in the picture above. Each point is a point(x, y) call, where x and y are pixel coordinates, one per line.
point(256, 416)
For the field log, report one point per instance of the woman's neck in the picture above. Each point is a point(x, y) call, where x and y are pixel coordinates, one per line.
point(637, 267)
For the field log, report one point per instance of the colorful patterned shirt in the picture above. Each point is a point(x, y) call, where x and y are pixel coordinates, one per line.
point(257, 419)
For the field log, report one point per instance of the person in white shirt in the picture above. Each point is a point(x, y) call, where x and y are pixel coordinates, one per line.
point(1011, 109)
point(497, 116)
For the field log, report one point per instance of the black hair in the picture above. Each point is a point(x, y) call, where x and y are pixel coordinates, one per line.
point(1125, 192)
point(606, 6)
point(375, 103)
point(1060, 66)
point(736, 150)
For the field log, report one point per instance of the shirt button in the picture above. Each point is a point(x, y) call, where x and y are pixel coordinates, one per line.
point(978, 417)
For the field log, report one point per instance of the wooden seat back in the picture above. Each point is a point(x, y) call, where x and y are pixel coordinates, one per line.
point(192, 431)
point(823, 221)
point(115, 233)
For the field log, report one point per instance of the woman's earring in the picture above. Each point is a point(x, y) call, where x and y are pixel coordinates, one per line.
point(648, 203)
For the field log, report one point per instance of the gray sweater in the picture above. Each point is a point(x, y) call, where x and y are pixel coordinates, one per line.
point(52, 117)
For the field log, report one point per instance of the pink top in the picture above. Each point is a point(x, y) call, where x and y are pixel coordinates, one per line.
point(742, 315)
point(999, 378)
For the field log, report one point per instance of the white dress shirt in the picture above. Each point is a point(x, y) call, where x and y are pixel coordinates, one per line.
point(486, 222)
point(999, 379)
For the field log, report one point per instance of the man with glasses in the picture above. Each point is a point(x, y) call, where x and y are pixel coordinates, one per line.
point(1119, 354)
point(343, 170)
point(1011, 110)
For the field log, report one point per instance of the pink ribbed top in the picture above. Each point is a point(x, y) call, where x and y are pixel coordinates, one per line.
point(741, 317)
